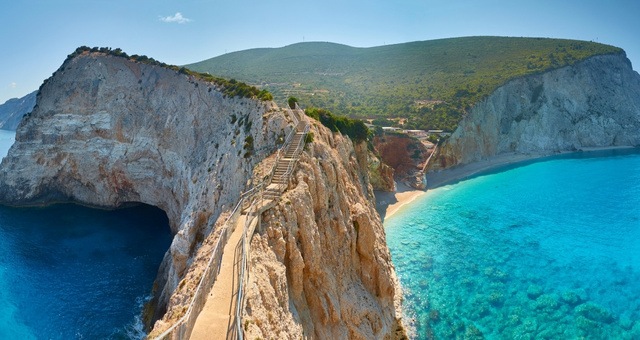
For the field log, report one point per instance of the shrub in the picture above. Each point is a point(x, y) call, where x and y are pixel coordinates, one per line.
point(230, 88)
point(292, 102)
point(308, 138)
point(354, 128)
point(248, 146)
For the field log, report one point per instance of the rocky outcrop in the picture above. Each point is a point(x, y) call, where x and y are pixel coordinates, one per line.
point(380, 174)
point(12, 111)
point(108, 131)
point(319, 267)
point(406, 155)
point(594, 103)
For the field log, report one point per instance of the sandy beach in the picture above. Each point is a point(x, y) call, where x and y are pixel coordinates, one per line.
point(388, 203)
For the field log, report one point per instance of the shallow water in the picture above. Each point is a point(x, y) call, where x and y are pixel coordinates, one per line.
point(70, 272)
point(545, 250)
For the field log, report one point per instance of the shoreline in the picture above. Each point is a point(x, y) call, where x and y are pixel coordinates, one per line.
point(389, 203)
point(458, 173)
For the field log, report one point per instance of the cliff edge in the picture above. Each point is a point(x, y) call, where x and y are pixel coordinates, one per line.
point(108, 131)
point(593, 103)
point(320, 267)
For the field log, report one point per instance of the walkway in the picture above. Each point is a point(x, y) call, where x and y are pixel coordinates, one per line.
point(217, 318)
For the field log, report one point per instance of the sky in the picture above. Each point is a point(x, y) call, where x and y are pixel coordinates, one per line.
point(37, 35)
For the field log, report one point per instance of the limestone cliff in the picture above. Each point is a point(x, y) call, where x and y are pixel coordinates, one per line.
point(108, 131)
point(380, 174)
point(406, 155)
point(594, 103)
point(320, 268)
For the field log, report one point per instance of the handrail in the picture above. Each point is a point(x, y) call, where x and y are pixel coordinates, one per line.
point(243, 267)
point(295, 119)
point(253, 195)
point(296, 153)
point(246, 242)
point(435, 149)
point(280, 152)
point(217, 252)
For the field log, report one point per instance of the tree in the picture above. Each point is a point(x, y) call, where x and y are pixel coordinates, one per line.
point(292, 102)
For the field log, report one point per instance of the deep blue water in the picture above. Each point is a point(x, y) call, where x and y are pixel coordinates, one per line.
point(549, 249)
point(70, 272)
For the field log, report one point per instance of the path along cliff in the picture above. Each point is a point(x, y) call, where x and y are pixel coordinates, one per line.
point(107, 131)
point(319, 265)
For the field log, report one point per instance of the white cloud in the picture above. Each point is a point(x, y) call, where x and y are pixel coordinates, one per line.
point(177, 18)
point(13, 85)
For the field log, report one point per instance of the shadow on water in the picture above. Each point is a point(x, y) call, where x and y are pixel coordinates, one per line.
point(83, 272)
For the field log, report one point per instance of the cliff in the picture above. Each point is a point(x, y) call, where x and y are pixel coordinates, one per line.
point(12, 111)
point(594, 103)
point(108, 132)
point(406, 155)
point(380, 174)
point(320, 267)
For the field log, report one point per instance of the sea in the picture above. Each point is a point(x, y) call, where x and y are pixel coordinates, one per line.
point(72, 272)
point(547, 249)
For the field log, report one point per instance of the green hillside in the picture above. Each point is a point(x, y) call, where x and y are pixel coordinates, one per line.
point(432, 83)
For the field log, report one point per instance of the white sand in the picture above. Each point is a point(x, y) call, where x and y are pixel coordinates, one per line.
point(388, 203)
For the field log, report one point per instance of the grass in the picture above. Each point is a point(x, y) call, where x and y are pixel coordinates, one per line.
point(432, 83)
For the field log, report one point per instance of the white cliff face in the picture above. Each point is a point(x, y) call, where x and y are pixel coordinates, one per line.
point(594, 103)
point(107, 131)
point(319, 264)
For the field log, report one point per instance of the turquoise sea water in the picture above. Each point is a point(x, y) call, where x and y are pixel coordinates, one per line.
point(70, 272)
point(546, 250)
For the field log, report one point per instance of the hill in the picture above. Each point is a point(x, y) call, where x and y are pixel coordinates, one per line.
point(432, 83)
point(12, 111)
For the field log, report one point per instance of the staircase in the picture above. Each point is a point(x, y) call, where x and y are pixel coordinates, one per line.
point(221, 318)
point(212, 314)
point(285, 163)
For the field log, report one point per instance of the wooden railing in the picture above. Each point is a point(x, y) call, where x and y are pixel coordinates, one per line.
point(182, 328)
point(259, 202)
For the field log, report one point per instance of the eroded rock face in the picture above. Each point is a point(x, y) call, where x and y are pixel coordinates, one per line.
point(380, 174)
point(406, 155)
point(320, 267)
point(594, 103)
point(107, 131)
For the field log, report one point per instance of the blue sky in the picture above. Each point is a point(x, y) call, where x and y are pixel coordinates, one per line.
point(37, 35)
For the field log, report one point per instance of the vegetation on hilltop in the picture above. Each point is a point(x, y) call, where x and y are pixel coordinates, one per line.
point(354, 128)
point(432, 83)
point(230, 88)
